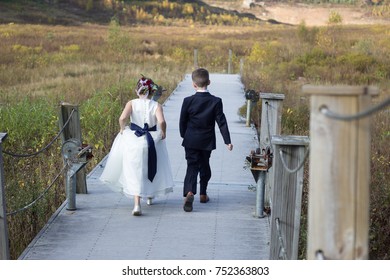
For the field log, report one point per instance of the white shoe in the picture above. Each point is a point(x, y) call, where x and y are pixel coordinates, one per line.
point(137, 210)
point(149, 201)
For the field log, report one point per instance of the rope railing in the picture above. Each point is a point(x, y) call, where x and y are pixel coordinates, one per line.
point(46, 147)
point(325, 110)
point(35, 154)
point(299, 165)
point(40, 196)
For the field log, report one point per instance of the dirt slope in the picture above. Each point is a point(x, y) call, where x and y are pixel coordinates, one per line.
point(312, 15)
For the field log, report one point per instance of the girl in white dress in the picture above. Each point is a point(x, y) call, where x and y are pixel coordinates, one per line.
point(138, 164)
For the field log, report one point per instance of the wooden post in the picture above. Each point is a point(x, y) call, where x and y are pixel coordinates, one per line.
point(241, 66)
point(271, 124)
point(195, 58)
point(287, 195)
point(338, 215)
point(73, 130)
point(248, 112)
point(4, 243)
point(230, 62)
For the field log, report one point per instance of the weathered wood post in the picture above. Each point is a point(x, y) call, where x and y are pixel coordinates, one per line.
point(73, 131)
point(248, 112)
point(289, 156)
point(251, 97)
point(4, 243)
point(338, 214)
point(195, 58)
point(241, 66)
point(271, 124)
point(230, 62)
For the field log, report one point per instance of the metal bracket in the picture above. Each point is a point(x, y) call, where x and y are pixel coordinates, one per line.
point(76, 156)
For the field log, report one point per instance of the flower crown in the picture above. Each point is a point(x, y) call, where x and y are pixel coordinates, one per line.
point(144, 86)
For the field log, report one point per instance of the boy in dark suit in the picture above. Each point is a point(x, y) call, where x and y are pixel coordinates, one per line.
point(198, 116)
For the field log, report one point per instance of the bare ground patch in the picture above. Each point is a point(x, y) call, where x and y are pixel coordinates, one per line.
point(311, 15)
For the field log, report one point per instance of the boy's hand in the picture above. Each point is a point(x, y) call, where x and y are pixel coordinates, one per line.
point(230, 147)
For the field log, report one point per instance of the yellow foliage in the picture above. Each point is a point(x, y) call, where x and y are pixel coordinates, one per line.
point(165, 4)
point(381, 11)
point(20, 48)
point(257, 53)
point(324, 39)
point(5, 34)
point(188, 9)
point(172, 6)
point(141, 14)
point(335, 18)
point(179, 54)
point(25, 49)
point(70, 48)
point(159, 18)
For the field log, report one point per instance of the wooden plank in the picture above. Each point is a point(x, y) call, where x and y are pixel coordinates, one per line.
point(340, 90)
point(274, 96)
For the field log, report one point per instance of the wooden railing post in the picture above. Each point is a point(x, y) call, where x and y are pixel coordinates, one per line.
point(271, 124)
point(338, 212)
point(289, 156)
point(4, 243)
point(73, 130)
point(230, 62)
point(241, 67)
point(196, 59)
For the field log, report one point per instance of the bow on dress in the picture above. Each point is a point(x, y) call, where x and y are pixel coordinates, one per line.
point(152, 156)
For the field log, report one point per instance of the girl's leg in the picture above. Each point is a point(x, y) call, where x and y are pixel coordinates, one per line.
point(137, 206)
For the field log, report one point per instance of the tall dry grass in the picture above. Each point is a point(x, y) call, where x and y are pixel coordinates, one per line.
point(96, 67)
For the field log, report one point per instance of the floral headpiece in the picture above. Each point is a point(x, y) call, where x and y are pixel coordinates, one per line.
point(144, 86)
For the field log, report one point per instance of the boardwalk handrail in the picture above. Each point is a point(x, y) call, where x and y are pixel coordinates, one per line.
point(40, 196)
point(4, 245)
point(339, 173)
point(300, 165)
point(44, 148)
point(4, 242)
point(284, 157)
point(287, 191)
point(366, 113)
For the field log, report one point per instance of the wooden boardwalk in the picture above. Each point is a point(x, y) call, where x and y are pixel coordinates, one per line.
point(102, 227)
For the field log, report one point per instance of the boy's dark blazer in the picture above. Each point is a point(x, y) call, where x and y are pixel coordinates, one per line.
point(199, 113)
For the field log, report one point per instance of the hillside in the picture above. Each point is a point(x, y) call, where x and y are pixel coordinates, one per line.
point(39, 12)
point(312, 15)
point(127, 12)
point(215, 12)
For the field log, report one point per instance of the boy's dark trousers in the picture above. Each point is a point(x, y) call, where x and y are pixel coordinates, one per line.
point(198, 162)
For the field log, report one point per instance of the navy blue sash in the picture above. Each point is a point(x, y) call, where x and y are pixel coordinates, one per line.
point(152, 156)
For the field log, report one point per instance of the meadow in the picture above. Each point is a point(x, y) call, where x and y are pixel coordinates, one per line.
point(96, 67)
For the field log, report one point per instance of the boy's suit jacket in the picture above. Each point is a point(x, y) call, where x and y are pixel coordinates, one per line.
point(198, 116)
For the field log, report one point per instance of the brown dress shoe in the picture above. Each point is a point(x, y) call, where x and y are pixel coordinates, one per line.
point(188, 202)
point(204, 198)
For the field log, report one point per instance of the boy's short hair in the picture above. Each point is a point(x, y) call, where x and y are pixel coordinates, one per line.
point(200, 77)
